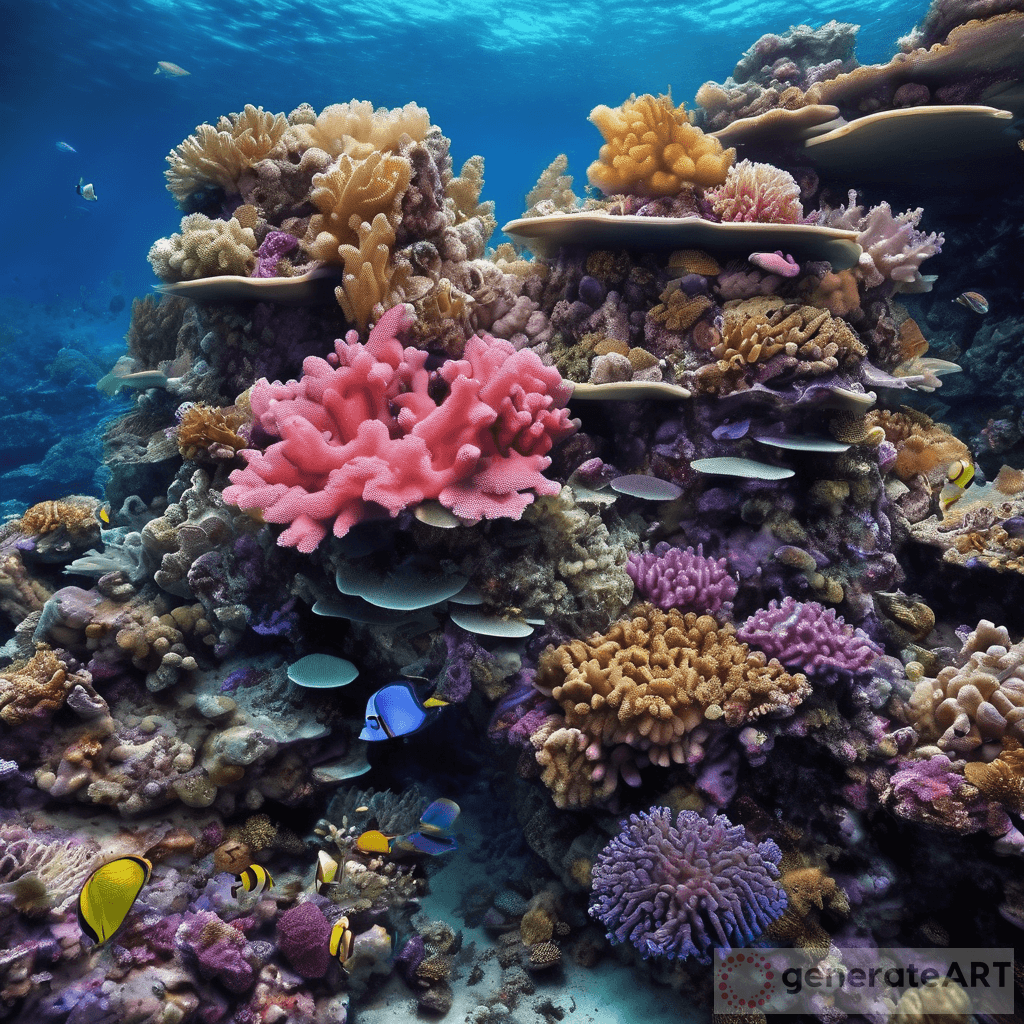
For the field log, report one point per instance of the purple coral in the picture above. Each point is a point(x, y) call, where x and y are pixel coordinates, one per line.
point(810, 638)
point(275, 247)
point(685, 579)
point(302, 935)
point(680, 890)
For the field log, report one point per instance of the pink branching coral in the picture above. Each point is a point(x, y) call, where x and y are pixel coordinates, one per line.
point(362, 435)
point(757, 192)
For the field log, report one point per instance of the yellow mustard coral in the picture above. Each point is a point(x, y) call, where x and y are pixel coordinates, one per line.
point(353, 192)
point(216, 155)
point(651, 149)
point(204, 429)
point(658, 675)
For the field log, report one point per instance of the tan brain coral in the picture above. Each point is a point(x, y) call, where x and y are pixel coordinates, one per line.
point(205, 248)
point(651, 149)
point(655, 677)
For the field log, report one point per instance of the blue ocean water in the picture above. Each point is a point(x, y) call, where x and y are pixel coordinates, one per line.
point(512, 82)
point(853, 787)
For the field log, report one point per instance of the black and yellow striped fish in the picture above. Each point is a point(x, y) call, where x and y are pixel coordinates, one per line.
point(255, 878)
point(108, 894)
point(340, 944)
point(326, 872)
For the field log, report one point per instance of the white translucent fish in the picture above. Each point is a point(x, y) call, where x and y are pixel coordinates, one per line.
point(165, 67)
point(66, 147)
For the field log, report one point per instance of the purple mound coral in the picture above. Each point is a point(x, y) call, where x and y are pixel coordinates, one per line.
point(672, 577)
point(811, 638)
point(678, 890)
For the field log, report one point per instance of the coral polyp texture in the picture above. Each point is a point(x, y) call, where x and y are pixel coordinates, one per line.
point(365, 437)
point(652, 149)
point(626, 572)
point(680, 888)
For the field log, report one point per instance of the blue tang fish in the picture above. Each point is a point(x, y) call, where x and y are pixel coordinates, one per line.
point(395, 710)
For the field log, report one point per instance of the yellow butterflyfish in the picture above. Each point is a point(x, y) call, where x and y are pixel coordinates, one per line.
point(108, 894)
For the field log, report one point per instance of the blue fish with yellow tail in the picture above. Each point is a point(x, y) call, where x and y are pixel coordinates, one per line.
point(396, 710)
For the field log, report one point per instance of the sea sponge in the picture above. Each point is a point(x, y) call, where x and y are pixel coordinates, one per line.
point(757, 192)
point(204, 248)
point(656, 676)
point(651, 149)
point(215, 156)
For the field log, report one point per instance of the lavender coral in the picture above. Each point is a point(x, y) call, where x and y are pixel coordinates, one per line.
point(672, 577)
point(811, 638)
point(678, 890)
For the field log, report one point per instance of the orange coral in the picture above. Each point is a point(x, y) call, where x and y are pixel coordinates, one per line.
point(651, 149)
point(35, 688)
point(205, 427)
point(922, 445)
point(679, 311)
point(655, 677)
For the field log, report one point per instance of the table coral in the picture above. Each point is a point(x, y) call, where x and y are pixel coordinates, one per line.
point(345, 455)
point(681, 888)
point(654, 678)
point(652, 149)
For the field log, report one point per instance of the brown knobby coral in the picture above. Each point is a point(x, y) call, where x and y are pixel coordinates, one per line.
point(652, 149)
point(34, 689)
point(658, 675)
point(977, 708)
point(208, 430)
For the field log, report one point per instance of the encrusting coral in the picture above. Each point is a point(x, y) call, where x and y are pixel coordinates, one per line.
point(652, 149)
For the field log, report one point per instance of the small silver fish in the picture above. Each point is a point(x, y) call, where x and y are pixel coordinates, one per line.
point(171, 70)
point(65, 147)
point(86, 191)
point(973, 300)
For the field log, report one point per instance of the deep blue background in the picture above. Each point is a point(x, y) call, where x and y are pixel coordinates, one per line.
point(511, 81)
